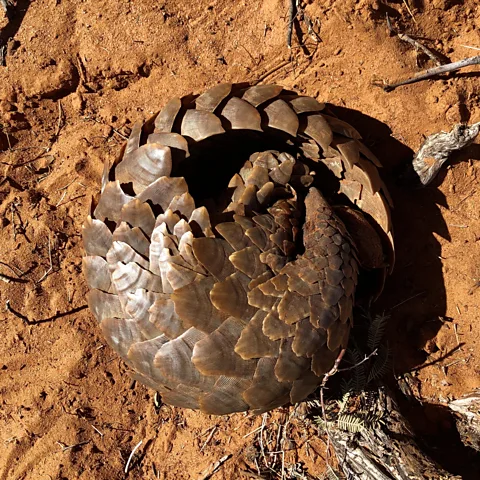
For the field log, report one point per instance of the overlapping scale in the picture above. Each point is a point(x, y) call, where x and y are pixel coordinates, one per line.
point(97, 238)
point(134, 237)
point(281, 116)
point(199, 125)
point(165, 119)
point(215, 354)
point(97, 275)
point(172, 140)
point(241, 115)
point(144, 165)
point(211, 99)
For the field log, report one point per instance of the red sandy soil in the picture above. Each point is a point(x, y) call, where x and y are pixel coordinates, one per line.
point(76, 75)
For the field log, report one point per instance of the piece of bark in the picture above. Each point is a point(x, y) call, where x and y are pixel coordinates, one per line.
point(437, 148)
point(467, 417)
point(386, 450)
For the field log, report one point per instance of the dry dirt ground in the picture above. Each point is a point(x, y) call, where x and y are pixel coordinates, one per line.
point(75, 75)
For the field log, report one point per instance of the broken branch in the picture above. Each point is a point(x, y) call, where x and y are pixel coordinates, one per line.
point(437, 148)
point(432, 72)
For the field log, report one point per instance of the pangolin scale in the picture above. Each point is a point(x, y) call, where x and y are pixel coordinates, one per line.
point(218, 270)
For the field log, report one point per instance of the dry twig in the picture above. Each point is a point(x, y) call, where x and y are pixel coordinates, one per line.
point(475, 286)
point(365, 359)
point(19, 273)
point(419, 46)
point(407, 300)
point(292, 11)
point(330, 373)
point(21, 316)
point(432, 72)
point(97, 430)
point(65, 447)
point(9, 12)
point(439, 359)
point(50, 260)
point(409, 10)
point(211, 434)
point(60, 119)
point(469, 46)
point(8, 279)
point(214, 467)
point(3, 54)
point(135, 448)
point(272, 70)
point(406, 38)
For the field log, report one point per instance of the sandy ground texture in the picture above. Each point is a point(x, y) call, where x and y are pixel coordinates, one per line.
point(75, 76)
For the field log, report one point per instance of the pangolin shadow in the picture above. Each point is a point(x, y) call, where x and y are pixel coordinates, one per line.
point(15, 15)
point(415, 295)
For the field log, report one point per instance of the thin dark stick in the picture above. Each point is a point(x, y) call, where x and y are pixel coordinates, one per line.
point(406, 38)
point(432, 72)
point(69, 447)
point(27, 162)
point(334, 369)
point(60, 119)
point(417, 44)
point(475, 286)
point(208, 473)
point(14, 269)
point(44, 320)
point(292, 11)
point(329, 374)
point(389, 24)
point(367, 357)
point(438, 360)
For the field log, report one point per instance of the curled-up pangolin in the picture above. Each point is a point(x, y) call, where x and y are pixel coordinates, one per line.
point(223, 253)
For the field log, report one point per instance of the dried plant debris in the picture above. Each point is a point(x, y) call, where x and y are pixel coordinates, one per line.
point(432, 72)
point(373, 441)
point(437, 148)
point(467, 410)
point(370, 437)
